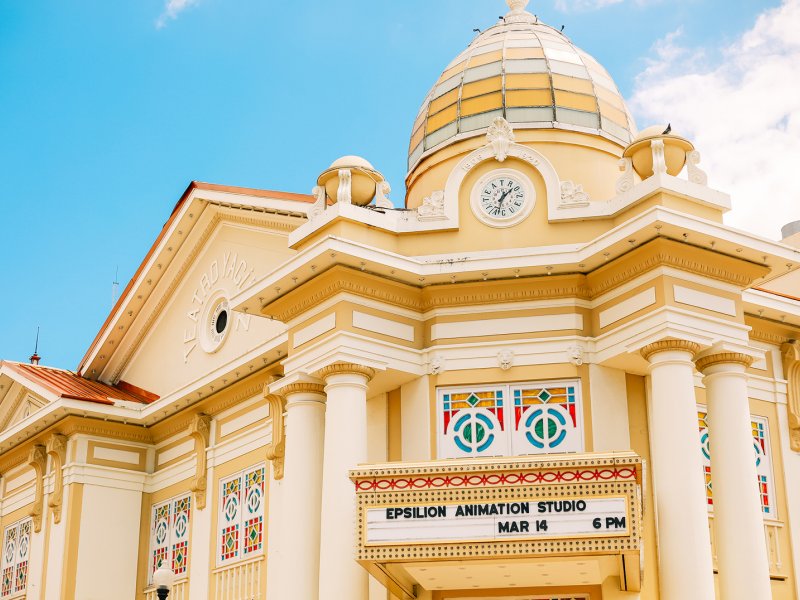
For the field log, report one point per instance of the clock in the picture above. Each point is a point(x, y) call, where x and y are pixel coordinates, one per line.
point(503, 198)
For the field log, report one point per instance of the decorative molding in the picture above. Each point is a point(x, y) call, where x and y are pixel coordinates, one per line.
point(303, 387)
point(57, 450)
point(320, 203)
point(382, 191)
point(344, 194)
point(210, 406)
point(739, 358)
point(505, 359)
point(626, 180)
point(276, 449)
point(346, 368)
point(669, 345)
point(432, 207)
point(791, 371)
point(572, 195)
point(575, 355)
point(659, 160)
point(482, 480)
point(500, 135)
point(37, 458)
point(200, 430)
point(12, 409)
point(662, 252)
point(696, 174)
point(436, 365)
point(766, 336)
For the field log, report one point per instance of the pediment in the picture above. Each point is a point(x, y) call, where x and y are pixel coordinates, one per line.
point(190, 330)
point(17, 400)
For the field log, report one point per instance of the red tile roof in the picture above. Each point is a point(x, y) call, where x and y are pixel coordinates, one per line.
point(66, 384)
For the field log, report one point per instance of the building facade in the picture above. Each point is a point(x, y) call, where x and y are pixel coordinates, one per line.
point(554, 374)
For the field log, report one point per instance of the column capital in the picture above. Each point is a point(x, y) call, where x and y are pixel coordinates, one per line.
point(346, 368)
point(669, 345)
point(719, 358)
point(302, 387)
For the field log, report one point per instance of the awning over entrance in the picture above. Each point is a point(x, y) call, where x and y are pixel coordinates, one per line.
point(522, 523)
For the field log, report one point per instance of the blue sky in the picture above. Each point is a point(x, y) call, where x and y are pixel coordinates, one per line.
point(109, 109)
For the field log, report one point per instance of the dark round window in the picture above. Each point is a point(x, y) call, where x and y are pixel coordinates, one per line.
point(222, 321)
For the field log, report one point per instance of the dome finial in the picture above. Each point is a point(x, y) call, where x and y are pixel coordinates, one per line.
point(517, 6)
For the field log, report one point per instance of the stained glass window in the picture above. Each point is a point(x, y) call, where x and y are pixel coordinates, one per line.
point(241, 515)
point(536, 418)
point(763, 459)
point(169, 535)
point(16, 552)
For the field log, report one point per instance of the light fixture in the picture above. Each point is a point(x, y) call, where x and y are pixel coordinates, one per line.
point(162, 579)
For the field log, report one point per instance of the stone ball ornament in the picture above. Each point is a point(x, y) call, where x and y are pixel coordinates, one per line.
point(350, 179)
point(640, 151)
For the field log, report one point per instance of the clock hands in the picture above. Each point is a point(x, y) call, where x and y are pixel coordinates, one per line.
point(503, 197)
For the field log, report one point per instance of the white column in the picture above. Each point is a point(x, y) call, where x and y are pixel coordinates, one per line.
point(302, 487)
point(340, 575)
point(684, 544)
point(738, 521)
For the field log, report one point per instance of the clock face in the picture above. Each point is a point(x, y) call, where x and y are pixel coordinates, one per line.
point(502, 197)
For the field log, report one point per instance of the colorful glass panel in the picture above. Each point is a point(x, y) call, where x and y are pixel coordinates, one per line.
point(241, 517)
point(15, 558)
point(546, 419)
point(170, 535)
point(763, 460)
point(230, 542)
point(473, 423)
point(540, 418)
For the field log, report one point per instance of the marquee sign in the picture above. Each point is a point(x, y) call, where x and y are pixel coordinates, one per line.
point(568, 504)
point(498, 521)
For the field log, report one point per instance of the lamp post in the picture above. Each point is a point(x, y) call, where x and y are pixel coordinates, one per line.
point(162, 579)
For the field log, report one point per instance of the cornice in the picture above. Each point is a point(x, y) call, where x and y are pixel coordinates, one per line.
point(211, 406)
point(659, 252)
point(339, 279)
point(665, 252)
point(669, 345)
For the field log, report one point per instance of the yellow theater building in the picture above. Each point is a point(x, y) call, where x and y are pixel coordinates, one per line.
point(554, 374)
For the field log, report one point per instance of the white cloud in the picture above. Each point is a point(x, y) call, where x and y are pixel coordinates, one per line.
point(740, 105)
point(172, 9)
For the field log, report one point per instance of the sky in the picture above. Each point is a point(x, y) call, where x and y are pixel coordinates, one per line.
point(109, 109)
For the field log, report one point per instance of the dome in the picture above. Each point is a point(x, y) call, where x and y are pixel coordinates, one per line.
point(528, 73)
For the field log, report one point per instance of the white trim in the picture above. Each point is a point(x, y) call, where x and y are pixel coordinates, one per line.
point(316, 329)
point(254, 415)
point(116, 455)
point(692, 297)
point(627, 307)
point(167, 455)
point(507, 326)
point(383, 326)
